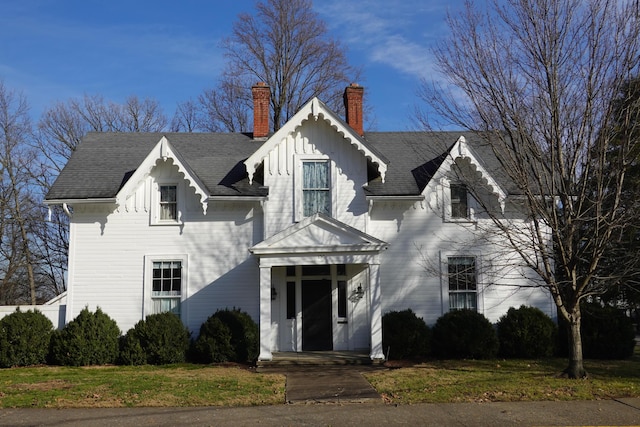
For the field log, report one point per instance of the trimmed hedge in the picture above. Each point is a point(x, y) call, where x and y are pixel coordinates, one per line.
point(245, 335)
point(464, 334)
point(227, 335)
point(526, 332)
point(214, 342)
point(405, 335)
point(157, 340)
point(607, 332)
point(24, 338)
point(89, 339)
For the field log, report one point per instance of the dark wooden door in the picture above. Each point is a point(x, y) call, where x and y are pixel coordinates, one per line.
point(317, 328)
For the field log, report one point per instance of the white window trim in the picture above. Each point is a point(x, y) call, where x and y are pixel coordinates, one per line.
point(147, 305)
point(447, 211)
point(444, 278)
point(155, 202)
point(298, 180)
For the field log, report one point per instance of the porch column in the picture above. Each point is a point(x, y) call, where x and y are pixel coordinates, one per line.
point(265, 313)
point(375, 302)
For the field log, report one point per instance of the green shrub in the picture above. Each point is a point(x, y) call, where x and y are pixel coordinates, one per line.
point(607, 332)
point(464, 334)
point(131, 351)
point(244, 334)
point(162, 338)
point(24, 338)
point(89, 339)
point(214, 342)
point(526, 332)
point(405, 335)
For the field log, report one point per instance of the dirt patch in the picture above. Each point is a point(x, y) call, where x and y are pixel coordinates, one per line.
point(44, 385)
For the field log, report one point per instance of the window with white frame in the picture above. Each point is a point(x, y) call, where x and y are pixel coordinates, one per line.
point(316, 187)
point(462, 277)
point(168, 203)
point(166, 286)
point(459, 201)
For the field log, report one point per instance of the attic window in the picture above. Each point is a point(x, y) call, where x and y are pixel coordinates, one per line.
point(459, 203)
point(168, 203)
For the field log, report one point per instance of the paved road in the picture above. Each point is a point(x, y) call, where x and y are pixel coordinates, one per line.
point(608, 412)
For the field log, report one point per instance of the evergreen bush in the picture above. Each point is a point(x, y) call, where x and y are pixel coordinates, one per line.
point(607, 332)
point(162, 338)
point(526, 332)
point(214, 342)
point(131, 351)
point(244, 334)
point(464, 334)
point(405, 335)
point(24, 338)
point(89, 339)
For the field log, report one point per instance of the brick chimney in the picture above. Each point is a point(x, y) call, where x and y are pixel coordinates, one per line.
point(353, 107)
point(261, 97)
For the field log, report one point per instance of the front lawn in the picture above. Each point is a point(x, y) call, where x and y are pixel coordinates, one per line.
point(505, 381)
point(120, 386)
point(198, 385)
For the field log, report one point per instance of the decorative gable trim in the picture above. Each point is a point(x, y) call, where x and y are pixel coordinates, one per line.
point(315, 110)
point(287, 241)
point(463, 150)
point(163, 150)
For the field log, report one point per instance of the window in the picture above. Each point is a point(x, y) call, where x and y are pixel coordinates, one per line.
point(342, 298)
point(459, 206)
point(462, 283)
point(291, 300)
point(168, 203)
point(316, 189)
point(166, 289)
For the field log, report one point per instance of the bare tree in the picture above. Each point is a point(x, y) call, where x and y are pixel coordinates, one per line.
point(285, 44)
point(185, 119)
point(60, 130)
point(16, 158)
point(538, 78)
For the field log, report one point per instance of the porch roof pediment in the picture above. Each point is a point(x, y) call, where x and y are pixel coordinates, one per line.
point(318, 234)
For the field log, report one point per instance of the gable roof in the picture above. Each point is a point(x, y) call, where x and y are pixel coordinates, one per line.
point(316, 109)
point(318, 234)
point(415, 158)
point(104, 163)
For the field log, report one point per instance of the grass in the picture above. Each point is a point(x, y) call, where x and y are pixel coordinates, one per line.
point(127, 386)
point(506, 381)
point(198, 385)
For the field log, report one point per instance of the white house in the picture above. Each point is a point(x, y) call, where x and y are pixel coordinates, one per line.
point(316, 230)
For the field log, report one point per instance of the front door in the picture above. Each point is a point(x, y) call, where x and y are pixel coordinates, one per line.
point(316, 315)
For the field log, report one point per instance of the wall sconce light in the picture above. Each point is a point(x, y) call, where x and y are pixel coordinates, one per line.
point(359, 292)
point(274, 294)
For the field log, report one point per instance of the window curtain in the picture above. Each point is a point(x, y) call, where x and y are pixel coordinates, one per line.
point(316, 194)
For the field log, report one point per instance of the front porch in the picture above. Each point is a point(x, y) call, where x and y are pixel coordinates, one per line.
point(319, 290)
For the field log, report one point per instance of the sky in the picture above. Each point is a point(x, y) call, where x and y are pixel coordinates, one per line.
point(169, 50)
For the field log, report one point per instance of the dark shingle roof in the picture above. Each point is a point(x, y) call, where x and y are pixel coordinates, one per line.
point(415, 156)
point(103, 162)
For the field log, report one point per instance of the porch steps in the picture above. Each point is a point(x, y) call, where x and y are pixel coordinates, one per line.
point(316, 358)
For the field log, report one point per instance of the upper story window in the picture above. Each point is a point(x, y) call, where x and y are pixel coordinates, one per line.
point(316, 187)
point(463, 287)
point(459, 201)
point(168, 203)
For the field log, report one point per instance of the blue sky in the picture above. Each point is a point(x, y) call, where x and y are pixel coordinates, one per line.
point(169, 50)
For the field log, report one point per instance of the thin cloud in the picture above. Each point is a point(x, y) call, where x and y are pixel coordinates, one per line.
point(394, 33)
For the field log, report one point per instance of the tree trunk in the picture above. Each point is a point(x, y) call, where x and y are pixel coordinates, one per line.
point(576, 366)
